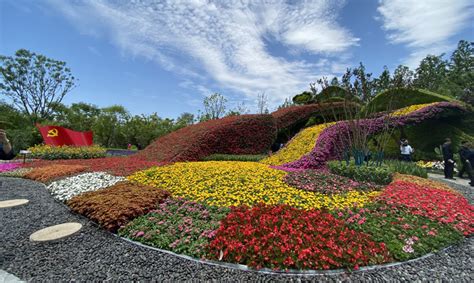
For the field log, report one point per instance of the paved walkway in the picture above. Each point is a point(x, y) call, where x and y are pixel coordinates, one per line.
point(96, 255)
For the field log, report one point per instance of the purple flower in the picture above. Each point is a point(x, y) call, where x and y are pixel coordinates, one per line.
point(333, 139)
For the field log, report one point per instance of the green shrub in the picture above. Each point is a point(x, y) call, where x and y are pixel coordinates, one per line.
point(400, 97)
point(409, 168)
point(66, 152)
point(235, 157)
point(376, 174)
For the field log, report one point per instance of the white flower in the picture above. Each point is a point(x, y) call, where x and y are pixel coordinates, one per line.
point(67, 188)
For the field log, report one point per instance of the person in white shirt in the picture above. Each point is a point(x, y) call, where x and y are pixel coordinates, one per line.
point(406, 150)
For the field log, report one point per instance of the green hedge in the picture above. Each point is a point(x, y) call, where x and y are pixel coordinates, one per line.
point(66, 152)
point(377, 174)
point(381, 175)
point(401, 97)
point(409, 168)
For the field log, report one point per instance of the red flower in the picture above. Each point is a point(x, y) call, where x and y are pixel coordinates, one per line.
point(285, 237)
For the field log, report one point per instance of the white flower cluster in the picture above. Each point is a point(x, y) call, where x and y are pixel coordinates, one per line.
point(67, 188)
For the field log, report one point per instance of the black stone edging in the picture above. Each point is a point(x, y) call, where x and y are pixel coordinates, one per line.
point(241, 267)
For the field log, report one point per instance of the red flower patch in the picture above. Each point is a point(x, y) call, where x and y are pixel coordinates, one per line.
point(439, 205)
point(283, 237)
point(243, 134)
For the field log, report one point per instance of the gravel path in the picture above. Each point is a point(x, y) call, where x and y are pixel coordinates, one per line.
point(94, 254)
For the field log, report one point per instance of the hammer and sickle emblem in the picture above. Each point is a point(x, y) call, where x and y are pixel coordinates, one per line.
point(52, 133)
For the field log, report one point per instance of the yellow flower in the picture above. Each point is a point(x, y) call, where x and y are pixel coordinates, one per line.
point(412, 108)
point(298, 146)
point(226, 183)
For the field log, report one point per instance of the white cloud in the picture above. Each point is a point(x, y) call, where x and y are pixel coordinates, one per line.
point(221, 42)
point(425, 27)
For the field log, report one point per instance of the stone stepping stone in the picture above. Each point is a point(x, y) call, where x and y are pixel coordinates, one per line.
point(56, 232)
point(13, 202)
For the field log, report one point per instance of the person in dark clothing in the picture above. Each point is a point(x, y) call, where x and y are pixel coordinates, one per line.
point(466, 165)
point(470, 159)
point(448, 158)
point(6, 150)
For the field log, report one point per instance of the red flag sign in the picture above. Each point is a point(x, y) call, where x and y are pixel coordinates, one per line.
point(57, 136)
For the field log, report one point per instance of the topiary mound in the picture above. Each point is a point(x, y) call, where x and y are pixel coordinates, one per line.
point(402, 97)
point(243, 134)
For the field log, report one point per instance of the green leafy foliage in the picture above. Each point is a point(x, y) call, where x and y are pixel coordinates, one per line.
point(66, 152)
point(408, 168)
point(406, 235)
point(376, 174)
point(178, 225)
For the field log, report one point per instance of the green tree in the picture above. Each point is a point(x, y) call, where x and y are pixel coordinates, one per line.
point(34, 82)
point(215, 106)
point(108, 128)
point(382, 83)
point(17, 124)
point(184, 120)
point(305, 97)
point(431, 74)
point(402, 77)
point(363, 84)
point(461, 72)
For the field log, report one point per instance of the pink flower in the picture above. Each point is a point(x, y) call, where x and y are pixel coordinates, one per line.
point(139, 234)
point(408, 249)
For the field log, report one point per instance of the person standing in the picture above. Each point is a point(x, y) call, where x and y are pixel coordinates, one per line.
point(406, 150)
point(466, 165)
point(448, 158)
point(470, 159)
point(6, 149)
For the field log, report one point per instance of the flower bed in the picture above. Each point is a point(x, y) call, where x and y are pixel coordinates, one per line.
point(410, 109)
point(226, 184)
point(119, 166)
point(289, 116)
point(115, 206)
point(332, 140)
point(282, 237)
point(423, 182)
point(439, 205)
point(177, 225)
point(406, 235)
point(16, 173)
point(326, 183)
point(52, 172)
point(66, 152)
point(67, 188)
point(298, 146)
point(243, 134)
point(5, 167)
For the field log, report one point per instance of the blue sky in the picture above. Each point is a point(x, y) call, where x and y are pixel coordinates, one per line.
point(166, 56)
